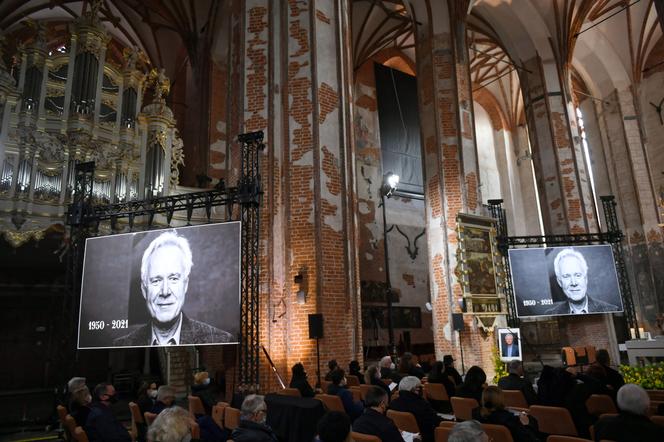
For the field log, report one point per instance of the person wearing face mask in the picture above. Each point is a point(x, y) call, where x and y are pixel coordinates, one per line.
point(202, 389)
point(165, 399)
point(373, 421)
point(253, 418)
point(146, 396)
point(102, 425)
point(338, 388)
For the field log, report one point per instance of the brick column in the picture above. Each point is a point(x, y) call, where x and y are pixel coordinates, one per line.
point(450, 165)
point(562, 178)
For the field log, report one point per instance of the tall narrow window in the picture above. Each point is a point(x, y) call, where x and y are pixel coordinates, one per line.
point(586, 156)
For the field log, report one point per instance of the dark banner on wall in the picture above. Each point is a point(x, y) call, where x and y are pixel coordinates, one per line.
point(159, 288)
point(557, 281)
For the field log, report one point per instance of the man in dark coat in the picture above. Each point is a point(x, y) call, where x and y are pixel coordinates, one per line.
point(515, 381)
point(165, 270)
point(410, 400)
point(252, 422)
point(338, 388)
point(101, 425)
point(450, 371)
point(373, 421)
point(632, 423)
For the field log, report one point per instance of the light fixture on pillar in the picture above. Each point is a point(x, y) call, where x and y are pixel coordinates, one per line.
point(390, 183)
point(301, 295)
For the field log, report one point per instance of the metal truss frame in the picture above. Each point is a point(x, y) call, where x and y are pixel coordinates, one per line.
point(613, 236)
point(83, 219)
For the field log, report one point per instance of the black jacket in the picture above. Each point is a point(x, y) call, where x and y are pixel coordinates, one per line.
point(377, 424)
point(388, 373)
point(520, 432)
point(303, 385)
point(206, 395)
point(102, 426)
point(425, 415)
point(470, 391)
point(249, 431)
point(381, 384)
point(353, 408)
point(514, 382)
point(628, 427)
point(454, 374)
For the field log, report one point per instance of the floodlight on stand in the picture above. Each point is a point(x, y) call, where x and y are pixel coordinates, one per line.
point(390, 184)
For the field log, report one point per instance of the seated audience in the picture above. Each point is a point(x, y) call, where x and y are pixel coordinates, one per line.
point(468, 431)
point(387, 369)
point(450, 371)
point(373, 421)
point(612, 378)
point(102, 425)
point(334, 426)
point(407, 366)
point(410, 400)
point(437, 376)
point(473, 385)
point(173, 425)
point(146, 396)
point(202, 389)
point(492, 411)
point(372, 377)
point(331, 366)
point(516, 381)
point(354, 369)
point(253, 418)
point(553, 386)
point(165, 399)
point(80, 399)
point(338, 388)
point(632, 423)
point(299, 381)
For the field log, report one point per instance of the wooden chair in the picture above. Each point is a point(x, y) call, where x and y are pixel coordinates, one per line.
point(447, 424)
point(195, 431)
point(435, 392)
point(62, 414)
point(658, 420)
point(359, 437)
point(568, 356)
point(137, 421)
point(598, 404)
point(357, 393)
point(558, 438)
point(196, 406)
point(463, 407)
point(352, 380)
point(80, 435)
point(293, 392)
point(231, 418)
point(324, 385)
point(364, 388)
point(554, 420)
point(441, 434)
point(497, 433)
point(149, 417)
point(404, 421)
point(218, 415)
point(331, 402)
point(515, 398)
point(70, 425)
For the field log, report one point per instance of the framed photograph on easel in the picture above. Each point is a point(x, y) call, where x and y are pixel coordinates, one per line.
point(509, 344)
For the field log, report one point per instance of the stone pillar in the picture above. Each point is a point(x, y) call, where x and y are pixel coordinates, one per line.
point(450, 165)
point(562, 178)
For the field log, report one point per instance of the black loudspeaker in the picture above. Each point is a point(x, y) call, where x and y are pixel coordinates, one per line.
point(457, 321)
point(316, 326)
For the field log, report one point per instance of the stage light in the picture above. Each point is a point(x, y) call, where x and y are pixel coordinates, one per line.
point(390, 184)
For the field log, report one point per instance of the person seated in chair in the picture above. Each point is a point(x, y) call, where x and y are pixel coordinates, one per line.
point(612, 378)
point(253, 418)
point(373, 421)
point(338, 388)
point(492, 411)
point(165, 399)
point(437, 376)
point(388, 369)
point(372, 377)
point(473, 385)
point(632, 423)
point(516, 381)
point(80, 399)
point(450, 371)
point(334, 426)
point(354, 369)
point(173, 424)
point(331, 366)
point(102, 425)
point(410, 400)
point(202, 389)
point(299, 381)
point(468, 431)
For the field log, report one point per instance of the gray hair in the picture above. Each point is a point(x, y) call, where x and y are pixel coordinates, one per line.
point(385, 362)
point(75, 384)
point(514, 367)
point(171, 425)
point(633, 399)
point(569, 253)
point(251, 405)
point(466, 431)
point(409, 383)
point(167, 239)
point(165, 391)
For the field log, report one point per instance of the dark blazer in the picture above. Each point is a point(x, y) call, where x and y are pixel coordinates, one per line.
point(102, 426)
point(353, 409)
point(515, 350)
point(594, 306)
point(191, 332)
point(425, 415)
point(388, 373)
point(514, 382)
point(471, 392)
point(377, 424)
point(454, 374)
point(249, 431)
point(303, 385)
point(628, 427)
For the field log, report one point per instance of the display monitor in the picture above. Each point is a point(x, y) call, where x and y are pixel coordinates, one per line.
point(177, 286)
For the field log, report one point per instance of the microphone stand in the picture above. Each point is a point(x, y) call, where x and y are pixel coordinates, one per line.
point(274, 369)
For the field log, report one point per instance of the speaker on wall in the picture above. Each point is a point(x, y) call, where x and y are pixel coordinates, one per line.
point(457, 321)
point(316, 326)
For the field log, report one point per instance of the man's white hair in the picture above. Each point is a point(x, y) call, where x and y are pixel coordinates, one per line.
point(251, 405)
point(165, 391)
point(569, 253)
point(633, 399)
point(467, 431)
point(167, 239)
point(171, 425)
point(409, 383)
point(385, 362)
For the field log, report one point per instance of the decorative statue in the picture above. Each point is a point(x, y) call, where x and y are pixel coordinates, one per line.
point(160, 83)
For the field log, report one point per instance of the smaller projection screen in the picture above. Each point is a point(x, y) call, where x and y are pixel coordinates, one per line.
point(555, 281)
point(166, 287)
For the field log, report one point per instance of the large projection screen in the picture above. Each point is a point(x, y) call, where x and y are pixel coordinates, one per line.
point(555, 281)
point(177, 286)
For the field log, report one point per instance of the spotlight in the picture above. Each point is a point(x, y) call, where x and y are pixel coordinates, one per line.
point(390, 184)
